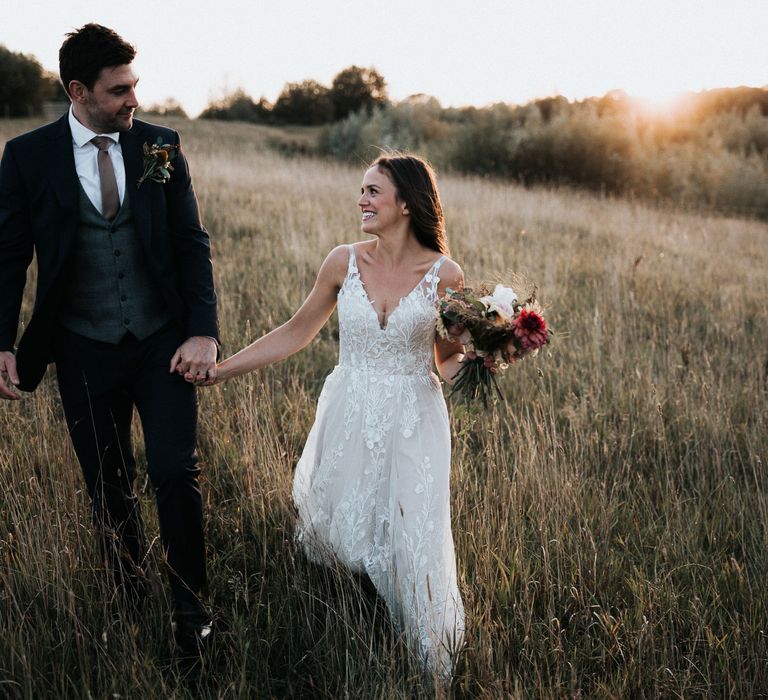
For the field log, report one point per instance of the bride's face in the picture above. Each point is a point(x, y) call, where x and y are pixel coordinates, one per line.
point(380, 206)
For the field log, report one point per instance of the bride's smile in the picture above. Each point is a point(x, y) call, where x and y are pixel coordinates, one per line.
point(381, 208)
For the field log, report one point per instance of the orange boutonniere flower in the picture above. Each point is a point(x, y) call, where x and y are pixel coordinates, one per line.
point(157, 161)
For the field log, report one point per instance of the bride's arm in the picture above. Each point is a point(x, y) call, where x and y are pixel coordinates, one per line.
point(449, 353)
point(448, 357)
point(296, 333)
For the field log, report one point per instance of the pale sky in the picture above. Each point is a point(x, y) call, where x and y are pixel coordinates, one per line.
point(461, 51)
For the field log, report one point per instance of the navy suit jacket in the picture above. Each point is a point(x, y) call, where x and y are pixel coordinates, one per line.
point(39, 212)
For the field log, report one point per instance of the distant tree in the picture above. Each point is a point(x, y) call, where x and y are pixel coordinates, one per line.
point(722, 100)
point(614, 102)
point(238, 106)
point(170, 107)
point(24, 85)
point(356, 88)
point(52, 89)
point(307, 102)
point(550, 107)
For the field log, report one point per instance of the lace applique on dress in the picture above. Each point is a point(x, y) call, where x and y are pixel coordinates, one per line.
point(372, 485)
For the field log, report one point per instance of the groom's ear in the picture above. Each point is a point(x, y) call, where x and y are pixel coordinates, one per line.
point(77, 91)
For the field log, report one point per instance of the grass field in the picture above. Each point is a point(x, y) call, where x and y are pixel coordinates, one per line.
point(610, 519)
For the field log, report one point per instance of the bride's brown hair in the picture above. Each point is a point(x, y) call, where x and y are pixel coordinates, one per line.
point(416, 185)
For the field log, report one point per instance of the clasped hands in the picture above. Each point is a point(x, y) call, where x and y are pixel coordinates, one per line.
point(195, 361)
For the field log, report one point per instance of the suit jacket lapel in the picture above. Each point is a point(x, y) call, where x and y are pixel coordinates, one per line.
point(138, 197)
point(62, 164)
point(63, 180)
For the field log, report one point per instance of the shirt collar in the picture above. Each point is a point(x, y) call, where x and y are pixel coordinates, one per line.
point(81, 134)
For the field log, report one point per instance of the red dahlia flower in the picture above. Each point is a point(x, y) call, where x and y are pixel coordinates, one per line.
point(530, 329)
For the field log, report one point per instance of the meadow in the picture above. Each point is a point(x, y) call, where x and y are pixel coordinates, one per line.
point(610, 518)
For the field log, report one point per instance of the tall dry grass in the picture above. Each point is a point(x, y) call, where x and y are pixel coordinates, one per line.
point(609, 520)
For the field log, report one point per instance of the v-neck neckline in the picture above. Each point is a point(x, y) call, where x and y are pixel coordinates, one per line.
point(371, 302)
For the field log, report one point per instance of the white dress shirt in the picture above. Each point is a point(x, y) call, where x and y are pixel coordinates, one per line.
point(87, 165)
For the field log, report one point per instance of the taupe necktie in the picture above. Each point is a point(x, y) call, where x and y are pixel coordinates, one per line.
point(110, 199)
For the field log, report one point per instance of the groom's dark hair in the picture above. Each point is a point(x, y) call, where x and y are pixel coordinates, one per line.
point(86, 51)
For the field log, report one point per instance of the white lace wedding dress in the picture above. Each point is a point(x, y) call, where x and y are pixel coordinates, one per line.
point(372, 485)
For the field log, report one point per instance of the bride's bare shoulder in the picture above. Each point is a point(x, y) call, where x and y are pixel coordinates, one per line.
point(451, 275)
point(339, 255)
point(334, 267)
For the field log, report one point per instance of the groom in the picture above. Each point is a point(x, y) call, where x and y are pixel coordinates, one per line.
point(125, 307)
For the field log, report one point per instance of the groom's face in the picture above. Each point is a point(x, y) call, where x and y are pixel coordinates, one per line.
point(109, 106)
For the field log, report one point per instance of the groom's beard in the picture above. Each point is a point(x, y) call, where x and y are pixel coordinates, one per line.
point(120, 122)
point(125, 122)
point(104, 123)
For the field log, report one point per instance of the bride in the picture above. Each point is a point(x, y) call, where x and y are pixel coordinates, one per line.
point(372, 485)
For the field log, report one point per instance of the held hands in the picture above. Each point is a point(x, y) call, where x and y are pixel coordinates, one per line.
point(206, 382)
point(195, 361)
point(9, 378)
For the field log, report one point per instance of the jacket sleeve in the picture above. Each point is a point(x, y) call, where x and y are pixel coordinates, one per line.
point(192, 248)
point(16, 245)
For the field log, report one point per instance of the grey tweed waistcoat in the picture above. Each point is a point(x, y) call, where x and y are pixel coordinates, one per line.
point(110, 291)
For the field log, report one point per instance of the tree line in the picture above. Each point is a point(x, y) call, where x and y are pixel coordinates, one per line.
point(708, 149)
point(308, 102)
point(25, 85)
point(711, 148)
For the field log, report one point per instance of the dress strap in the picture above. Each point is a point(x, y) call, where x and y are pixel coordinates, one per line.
point(352, 264)
point(433, 277)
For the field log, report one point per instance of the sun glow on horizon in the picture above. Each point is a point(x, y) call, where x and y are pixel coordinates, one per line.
point(477, 54)
point(662, 105)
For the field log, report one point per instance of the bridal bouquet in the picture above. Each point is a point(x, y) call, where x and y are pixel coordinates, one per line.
point(496, 329)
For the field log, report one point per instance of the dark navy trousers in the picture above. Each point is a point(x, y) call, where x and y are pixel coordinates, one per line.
point(100, 384)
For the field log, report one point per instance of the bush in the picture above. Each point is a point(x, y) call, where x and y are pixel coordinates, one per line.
point(169, 108)
point(306, 103)
point(711, 151)
point(415, 124)
point(238, 106)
